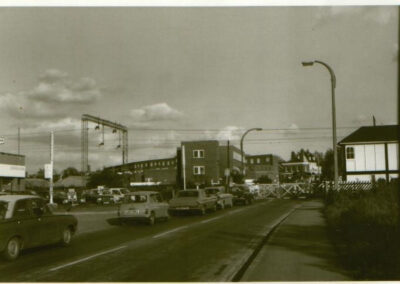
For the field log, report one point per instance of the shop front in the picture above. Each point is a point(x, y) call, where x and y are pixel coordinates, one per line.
point(12, 172)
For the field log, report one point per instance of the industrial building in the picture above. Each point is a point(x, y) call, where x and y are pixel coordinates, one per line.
point(12, 171)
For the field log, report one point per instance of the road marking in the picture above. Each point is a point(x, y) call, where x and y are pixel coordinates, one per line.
point(170, 231)
point(86, 258)
point(212, 219)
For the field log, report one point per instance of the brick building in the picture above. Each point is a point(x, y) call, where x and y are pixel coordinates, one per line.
point(205, 162)
point(263, 165)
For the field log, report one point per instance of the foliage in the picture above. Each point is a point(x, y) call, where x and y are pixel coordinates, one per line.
point(264, 179)
point(365, 228)
point(70, 171)
point(327, 164)
point(237, 177)
point(107, 178)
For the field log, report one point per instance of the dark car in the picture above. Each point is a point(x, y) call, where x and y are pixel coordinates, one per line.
point(26, 221)
point(242, 195)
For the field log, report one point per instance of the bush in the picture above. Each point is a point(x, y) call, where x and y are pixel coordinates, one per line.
point(365, 228)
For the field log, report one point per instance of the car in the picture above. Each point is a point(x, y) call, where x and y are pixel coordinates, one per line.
point(143, 206)
point(223, 199)
point(242, 195)
point(193, 200)
point(26, 221)
point(118, 194)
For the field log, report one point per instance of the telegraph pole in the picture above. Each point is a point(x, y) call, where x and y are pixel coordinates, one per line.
point(184, 167)
point(51, 165)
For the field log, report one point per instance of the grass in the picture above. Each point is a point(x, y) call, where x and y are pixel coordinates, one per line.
point(364, 226)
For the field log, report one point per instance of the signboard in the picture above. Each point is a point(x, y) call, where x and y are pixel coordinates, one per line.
point(2, 140)
point(48, 171)
point(227, 172)
point(12, 171)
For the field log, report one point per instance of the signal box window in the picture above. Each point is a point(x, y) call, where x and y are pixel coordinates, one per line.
point(199, 170)
point(198, 153)
point(350, 153)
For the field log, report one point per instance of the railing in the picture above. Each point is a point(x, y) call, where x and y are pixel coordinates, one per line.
point(285, 190)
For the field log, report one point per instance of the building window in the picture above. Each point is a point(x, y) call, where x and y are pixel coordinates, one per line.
point(151, 164)
point(258, 160)
point(349, 153)
point(198, 153)
point(267, 159)
point(199, 170)
point(167, 163)
point(251, 161)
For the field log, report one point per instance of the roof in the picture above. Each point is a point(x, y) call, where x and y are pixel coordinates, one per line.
point(72, 181)
point(381, 133)
point(36, 182)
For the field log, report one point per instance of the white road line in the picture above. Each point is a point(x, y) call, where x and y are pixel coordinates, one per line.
point(209, 220)
point(86, 258)
point(168, 232)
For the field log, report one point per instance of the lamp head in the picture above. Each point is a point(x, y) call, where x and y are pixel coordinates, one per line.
point(307, 63)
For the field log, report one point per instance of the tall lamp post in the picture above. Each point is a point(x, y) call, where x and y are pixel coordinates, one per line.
point(241, 145)
point(333, 84)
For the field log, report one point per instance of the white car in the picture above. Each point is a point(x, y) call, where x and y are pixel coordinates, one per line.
point(118, 194)
point(223, 199)
point(143, 206)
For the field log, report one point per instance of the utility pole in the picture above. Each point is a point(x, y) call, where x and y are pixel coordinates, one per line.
point(19, 139)
point(228, 163)
point(51, 165)
point(184, 167)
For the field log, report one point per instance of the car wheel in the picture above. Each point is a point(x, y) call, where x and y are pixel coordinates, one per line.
point(13, 249)
point(66, 237)
point(152, 219)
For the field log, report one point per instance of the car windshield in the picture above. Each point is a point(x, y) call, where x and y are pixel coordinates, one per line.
point(188, 193)
point(137, 198)
point(3, 209)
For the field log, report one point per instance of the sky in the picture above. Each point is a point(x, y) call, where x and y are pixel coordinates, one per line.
point(191, 73)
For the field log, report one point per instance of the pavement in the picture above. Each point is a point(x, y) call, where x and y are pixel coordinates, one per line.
point(298, 250)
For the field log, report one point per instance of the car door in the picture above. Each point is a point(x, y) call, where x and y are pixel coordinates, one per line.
point(27, 225)
point(48, 224)
point(163, 205)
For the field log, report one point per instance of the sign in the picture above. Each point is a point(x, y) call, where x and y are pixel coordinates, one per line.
point(2, 140)
point(48, 171)
point(12, 171)
point(227, 172)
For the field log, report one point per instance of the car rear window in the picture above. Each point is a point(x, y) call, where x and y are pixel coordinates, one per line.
point(185, 193)
point(137, 198)
point(3, 209)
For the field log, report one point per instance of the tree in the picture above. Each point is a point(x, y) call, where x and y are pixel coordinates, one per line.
point(70, 171)
point(237, 177)
point(264, 179)
point(107, 178)
point(328, 164)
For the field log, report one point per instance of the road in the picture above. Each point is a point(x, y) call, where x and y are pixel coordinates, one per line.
point(186, 248)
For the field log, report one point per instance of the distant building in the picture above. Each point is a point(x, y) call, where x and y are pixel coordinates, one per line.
point(263, 165)
point(372, 153)
point(302, 166)
point(206, 162)
point(12, 171)
point(72, 182)
point(157, 170)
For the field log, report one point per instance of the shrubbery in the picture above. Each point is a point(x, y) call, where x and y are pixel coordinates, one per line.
point(365, 228)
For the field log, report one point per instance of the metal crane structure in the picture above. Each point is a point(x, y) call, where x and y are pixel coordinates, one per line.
point(86, 118)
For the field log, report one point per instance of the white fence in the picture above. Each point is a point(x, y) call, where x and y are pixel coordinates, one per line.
point(285, 190)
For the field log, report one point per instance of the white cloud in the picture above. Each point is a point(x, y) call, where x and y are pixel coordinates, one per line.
point(381, 15)
point(156, 112)
point(53, 97)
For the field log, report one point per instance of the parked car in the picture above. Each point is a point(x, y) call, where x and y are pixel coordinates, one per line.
point(196, 200)
point(223, 199)
point(242, 194)
point(118, 194)
point(143, 206)
point(104, 197)
point(26, 221)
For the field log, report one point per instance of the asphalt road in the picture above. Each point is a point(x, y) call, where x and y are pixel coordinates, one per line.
point(186, 248)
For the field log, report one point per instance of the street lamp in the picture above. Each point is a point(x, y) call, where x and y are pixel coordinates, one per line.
point(241, 145)
point(333, 84)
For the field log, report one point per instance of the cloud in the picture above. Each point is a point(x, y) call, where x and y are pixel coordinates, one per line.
point(156, 112)
point(53, 97)
point(380, 15)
